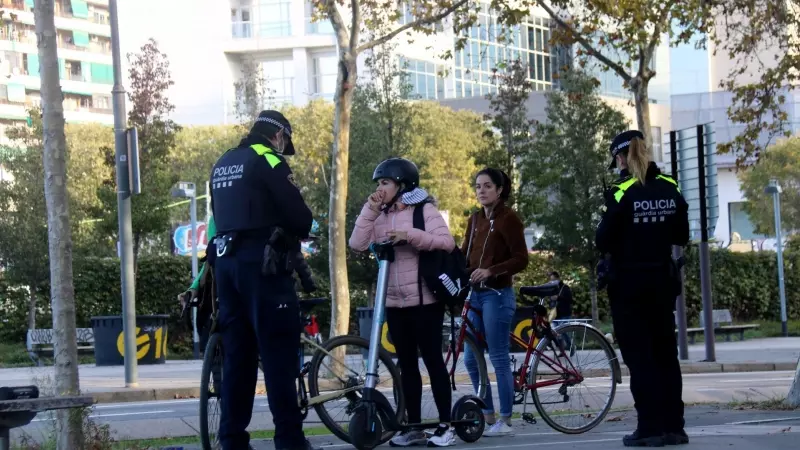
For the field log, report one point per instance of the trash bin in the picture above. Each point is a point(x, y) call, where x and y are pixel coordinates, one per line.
point(522, 326)
point(365, 328)
point(151, 340)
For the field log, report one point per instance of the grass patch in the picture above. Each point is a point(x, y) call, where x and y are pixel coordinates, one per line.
point(770, 404)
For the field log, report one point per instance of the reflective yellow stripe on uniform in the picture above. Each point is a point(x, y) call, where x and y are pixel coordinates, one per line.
point(622, 187)
point(670, 180)
point(267, 153)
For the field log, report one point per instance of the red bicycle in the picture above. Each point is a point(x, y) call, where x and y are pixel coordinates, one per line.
point(557, 375)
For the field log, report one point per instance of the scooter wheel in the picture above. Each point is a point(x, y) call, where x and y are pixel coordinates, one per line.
point(362, 437)
point(472, 431)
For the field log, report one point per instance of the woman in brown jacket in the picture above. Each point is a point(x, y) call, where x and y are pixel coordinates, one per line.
point(495, 249)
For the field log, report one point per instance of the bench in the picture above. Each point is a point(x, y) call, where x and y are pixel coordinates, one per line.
point(40, 342)
point(723, 324)
point(19, 406)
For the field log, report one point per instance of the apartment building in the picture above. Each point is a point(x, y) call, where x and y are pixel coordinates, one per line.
point(84, 50)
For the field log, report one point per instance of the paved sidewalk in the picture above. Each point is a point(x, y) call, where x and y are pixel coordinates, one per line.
point(181, 379)
point(709, 428)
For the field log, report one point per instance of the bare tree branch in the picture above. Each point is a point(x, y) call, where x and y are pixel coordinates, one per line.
point(651, 47)
point(416, 23)
point(586, 44)
point(355, 26)
point(338, 25)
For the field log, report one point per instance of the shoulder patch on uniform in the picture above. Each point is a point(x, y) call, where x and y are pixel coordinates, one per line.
point(290, 177)
point(621, 180)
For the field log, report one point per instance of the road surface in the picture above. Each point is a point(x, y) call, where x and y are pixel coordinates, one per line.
point(172, 418)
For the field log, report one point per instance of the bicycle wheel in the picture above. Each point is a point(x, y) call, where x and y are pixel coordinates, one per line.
point(210, 392)
point(327, 375)
point(586, 346)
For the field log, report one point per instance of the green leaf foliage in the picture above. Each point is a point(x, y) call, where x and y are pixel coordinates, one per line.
point(565, 170)
point(744, 283)
point(782, 163)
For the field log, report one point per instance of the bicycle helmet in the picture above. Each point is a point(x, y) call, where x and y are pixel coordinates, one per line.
point(400, 170)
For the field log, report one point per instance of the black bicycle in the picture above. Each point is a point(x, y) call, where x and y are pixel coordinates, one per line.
point(332, 384)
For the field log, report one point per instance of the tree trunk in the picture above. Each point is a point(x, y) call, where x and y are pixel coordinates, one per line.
point(32, 307)
point(793, 399)
point(642, 100)
point(69, 435)
point(340, 313)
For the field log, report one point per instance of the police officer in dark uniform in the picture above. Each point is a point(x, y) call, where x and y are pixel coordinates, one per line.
point(252, 193)
point(643, 217)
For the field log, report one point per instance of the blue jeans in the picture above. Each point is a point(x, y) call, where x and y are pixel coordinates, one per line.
point(498, 309)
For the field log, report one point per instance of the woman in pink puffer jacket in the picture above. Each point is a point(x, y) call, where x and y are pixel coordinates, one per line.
point(414, 322)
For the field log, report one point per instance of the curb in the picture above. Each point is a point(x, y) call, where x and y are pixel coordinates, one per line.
point(148, 395)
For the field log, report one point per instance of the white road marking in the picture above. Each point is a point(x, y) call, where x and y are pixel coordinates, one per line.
point(98, 416)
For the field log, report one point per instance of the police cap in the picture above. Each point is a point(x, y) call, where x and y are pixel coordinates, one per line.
point(620, 145)
point(269, 123)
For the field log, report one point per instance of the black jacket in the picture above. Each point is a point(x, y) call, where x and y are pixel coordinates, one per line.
point(253, 190)
point(641, 223)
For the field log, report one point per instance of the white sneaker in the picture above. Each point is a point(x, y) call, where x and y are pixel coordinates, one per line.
point(442, 437)
point(408, 439)
point(500, 428)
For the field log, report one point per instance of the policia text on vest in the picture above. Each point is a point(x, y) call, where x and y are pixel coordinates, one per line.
point(252, 194)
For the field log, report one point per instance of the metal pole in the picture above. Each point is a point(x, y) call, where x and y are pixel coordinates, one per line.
point(777, 203)
point(677, 252)
point(193, 216)
point(208, 207)
point(705, 263)
point(123, 207)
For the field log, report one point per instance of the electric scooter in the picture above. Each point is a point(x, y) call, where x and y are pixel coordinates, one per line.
point(373, 414)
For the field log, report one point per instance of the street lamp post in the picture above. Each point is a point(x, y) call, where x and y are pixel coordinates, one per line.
point(186, 189)
point(774, 189)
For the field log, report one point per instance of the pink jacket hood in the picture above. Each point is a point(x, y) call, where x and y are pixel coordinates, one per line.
point(373, 226)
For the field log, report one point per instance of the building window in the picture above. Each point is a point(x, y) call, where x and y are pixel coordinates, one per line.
point(325, 73)
point(280, 79)
point(240, 23)
point(407, 16)
point(423, 78)
point(322, 26)
point(490, 43)
point(274, 18)
point(741, 228)
point(658, 152)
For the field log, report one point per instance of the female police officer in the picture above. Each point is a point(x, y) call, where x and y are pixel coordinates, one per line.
point(643, 217)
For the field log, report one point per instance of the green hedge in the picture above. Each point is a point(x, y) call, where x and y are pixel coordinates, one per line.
point(744, 283)
point(97, 293)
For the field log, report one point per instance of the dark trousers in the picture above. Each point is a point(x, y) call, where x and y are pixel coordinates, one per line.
point(420, 327)
point(645, 329)
point(258, 315)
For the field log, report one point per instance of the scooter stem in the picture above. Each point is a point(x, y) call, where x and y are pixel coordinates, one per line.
point(385, 256)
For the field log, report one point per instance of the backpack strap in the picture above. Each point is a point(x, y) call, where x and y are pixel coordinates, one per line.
point(419, 223)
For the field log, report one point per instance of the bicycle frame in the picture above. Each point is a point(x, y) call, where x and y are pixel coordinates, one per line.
point(539, 322)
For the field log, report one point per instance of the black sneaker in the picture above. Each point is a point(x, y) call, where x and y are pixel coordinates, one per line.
point(638, 439)
point(676, 438)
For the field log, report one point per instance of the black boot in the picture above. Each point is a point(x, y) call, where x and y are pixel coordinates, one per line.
point(676, 438)
point(639, 439)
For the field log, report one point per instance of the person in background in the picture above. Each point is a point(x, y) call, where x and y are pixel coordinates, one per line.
point(495, 250)
point(414, 316)
point(643, 217)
